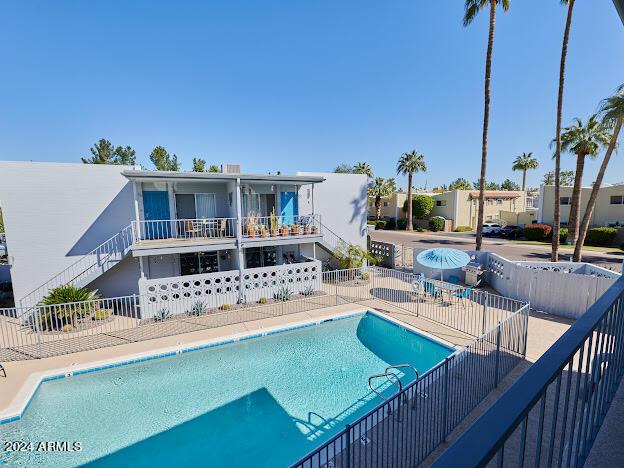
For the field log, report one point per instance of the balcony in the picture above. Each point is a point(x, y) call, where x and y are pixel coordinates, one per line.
point(151, 237)
point(294, 229)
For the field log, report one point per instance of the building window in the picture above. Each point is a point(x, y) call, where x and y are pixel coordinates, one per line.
point(564, 201)
point(440, 202)
point(617, 200)
point(198, 262)
point(488, 218)
point(385, 203)
point(490, 202)
point(499, 201)
point(260, 257)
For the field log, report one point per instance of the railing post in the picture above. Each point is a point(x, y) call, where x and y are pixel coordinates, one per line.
point(347, 449)
point(446, 400)
point(38, 330)
point(485, 311)
point(496, 366)
point(134, 306)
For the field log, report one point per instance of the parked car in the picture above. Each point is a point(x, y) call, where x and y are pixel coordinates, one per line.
point(511, 232)
point(491, 229)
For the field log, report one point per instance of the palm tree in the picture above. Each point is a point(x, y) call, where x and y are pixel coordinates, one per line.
point(612, 111)
point(408, 164)
point(379, 188)
point(363, 168)
point(554, 256)
point(472, 8)
point(581, 140)
point(523, 163)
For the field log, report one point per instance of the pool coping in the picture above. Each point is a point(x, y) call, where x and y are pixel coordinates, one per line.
point(29, 388)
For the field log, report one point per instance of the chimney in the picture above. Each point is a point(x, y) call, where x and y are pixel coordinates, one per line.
point(230, 169)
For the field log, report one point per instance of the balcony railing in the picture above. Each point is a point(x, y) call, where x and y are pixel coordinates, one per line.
point(187, 229)
point(281, 226)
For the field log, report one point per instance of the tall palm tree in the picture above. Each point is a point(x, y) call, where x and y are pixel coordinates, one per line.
point(523, 163)
point(380, 188)
point(363, 168)
point(408, 164)
point(554, 256)
point(472, 8)
point(582, 140)
point(612, 111)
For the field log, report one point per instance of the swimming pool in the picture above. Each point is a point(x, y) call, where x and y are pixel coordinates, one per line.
point(260, 402)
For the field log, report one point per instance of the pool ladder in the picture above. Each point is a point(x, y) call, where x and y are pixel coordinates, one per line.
point(392, 378)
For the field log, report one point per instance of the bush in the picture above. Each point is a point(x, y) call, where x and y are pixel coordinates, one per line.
point(162, 314)
point(263, 300)
point(463, 229)
point(622, 246)
point(419, 229)
point(603, 236)
point(537, 232)
point(100, 314)
point(563, 235)
point(421, 206)
point(402, 224)
point(57, 317)
point(436, 224)
point(380, 225)
point(391, 224)
point(225, 307)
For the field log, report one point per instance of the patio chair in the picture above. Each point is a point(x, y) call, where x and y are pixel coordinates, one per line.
point(432, 290)
point(463, 294)
point(222, 229)
point(191, 229)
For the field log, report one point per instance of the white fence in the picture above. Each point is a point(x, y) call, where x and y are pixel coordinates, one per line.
point(211, 290)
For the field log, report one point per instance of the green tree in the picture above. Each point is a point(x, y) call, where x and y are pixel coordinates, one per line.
point(103, 152)
point(363, 168)
point(566, 178)
point(523, 163)
point(163, 161)
point(472, 8)
point(214, 168)
point(379, 188)
point(554, 256)
point(421, 206)
point(343, 169)
point(582, 140)
point(1, 222)
point(408, 164)
point(459, 184)
point(125, 156)
point(353, 256)
point(510, 186)
point(199, 165)
point(612, 111)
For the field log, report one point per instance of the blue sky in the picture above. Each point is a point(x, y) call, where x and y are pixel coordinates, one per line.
point(300, 85)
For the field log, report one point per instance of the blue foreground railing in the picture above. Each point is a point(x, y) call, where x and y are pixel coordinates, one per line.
point(552, 414)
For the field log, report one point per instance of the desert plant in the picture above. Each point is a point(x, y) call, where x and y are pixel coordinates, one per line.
point(58, 316)
point(283, 294)
point(225, 307)
point(295, 230)
point(68, 293)
point(307, 291)
point(563, 235)
point(603, 236)
point(436, 224)
point(273, 222)
point(537, 232)
point(100, 314)
point(162, 314)
point(463, 229)
point(250, 224)
point(263, 300)
point(353, 256)
point(197, 308)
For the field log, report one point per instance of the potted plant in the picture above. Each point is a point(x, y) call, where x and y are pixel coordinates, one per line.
point(263, 231)
point(306, 230)
point(273, 223)
point(250, 225)
point(295, 230)
point(283, 230)
point(314, 229)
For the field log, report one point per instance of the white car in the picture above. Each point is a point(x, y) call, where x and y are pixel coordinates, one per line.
point(491, 229)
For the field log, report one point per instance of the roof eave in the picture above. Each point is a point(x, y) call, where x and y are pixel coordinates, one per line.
point(151, 176)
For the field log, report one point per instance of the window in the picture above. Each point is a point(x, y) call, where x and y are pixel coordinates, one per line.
point(488, 218)
point(251, 203)
point(385, 203)
point(440, 202)
point(564, 201)
point(499, 201)
point(260, 257)
point(198, 262)
point(617, 200)
point(490, 202)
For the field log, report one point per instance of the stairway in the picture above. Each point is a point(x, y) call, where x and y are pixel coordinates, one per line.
point(89, 267)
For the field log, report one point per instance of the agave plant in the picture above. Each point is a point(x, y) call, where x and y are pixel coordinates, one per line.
point(308, 291)
point(162, 314)
point(197, 308)
point(283, 294)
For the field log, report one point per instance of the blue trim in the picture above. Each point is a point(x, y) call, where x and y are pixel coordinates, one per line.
point(207, 346)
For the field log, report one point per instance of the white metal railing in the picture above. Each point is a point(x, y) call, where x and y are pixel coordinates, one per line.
point(282, 226)
point(331, 239)
point(99, 260)
point(204, 228)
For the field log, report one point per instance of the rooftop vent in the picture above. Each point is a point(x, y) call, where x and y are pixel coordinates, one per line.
point(230, 168)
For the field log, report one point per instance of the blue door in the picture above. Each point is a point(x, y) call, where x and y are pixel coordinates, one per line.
point(290, 209)
point(156, 208)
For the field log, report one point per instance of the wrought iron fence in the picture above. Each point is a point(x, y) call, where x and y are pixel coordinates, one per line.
point(552, 414)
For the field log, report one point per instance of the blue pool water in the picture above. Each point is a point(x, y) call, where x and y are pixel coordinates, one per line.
point(260, 402)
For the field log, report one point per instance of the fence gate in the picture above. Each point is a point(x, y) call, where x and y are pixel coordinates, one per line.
point(404, 257)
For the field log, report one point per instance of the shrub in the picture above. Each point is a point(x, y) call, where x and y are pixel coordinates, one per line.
point(419, 229)
point(391, 224)
point(421, 206)
point(197, 308)
point(100, 314)
point(380, 225)
point(622, 246)
point(307, 291)
point(402, 224)
point(263, 300)
point(602, 235)
point(436, 224)
point(563, 235)
point(225, 307)
point(463, 229)
point(353, 256)
point(537, 232)
point(57, 317)
point(283, 294)
point(162, 314)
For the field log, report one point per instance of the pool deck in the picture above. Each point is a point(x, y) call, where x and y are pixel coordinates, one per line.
point(23, 377)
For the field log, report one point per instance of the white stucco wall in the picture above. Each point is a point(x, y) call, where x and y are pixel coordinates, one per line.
point(55, 213)
point(341, 202)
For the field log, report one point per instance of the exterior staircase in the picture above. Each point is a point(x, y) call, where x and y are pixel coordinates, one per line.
point(89, 267)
